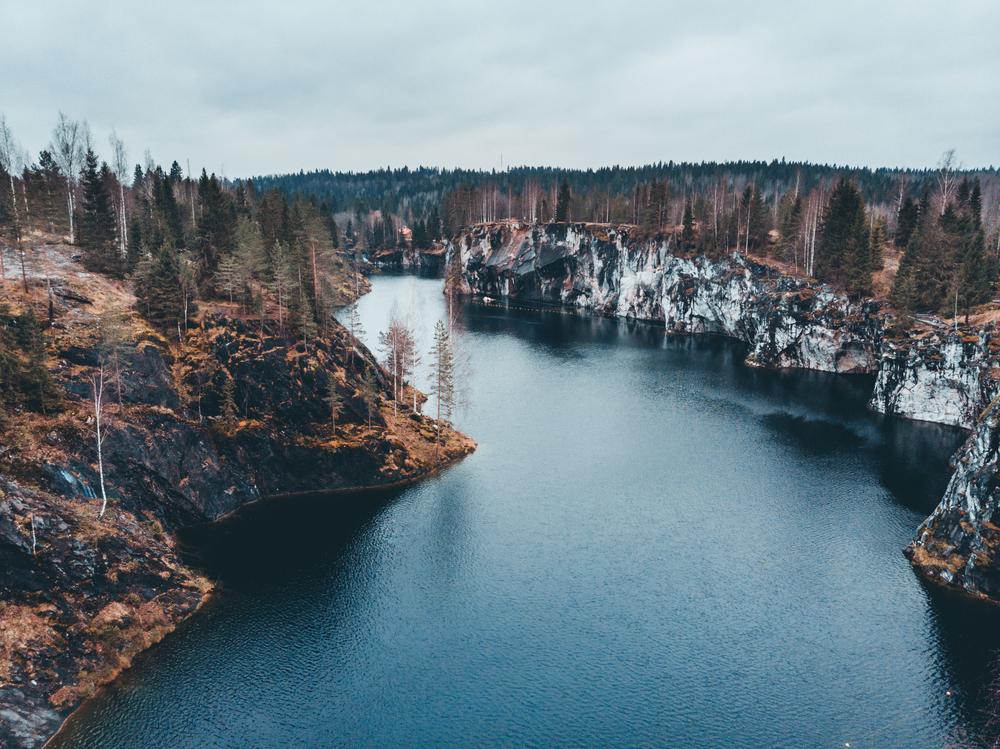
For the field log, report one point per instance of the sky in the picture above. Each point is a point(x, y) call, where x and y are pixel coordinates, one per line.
point(269, 87)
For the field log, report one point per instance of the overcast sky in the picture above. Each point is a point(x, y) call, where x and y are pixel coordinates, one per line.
point(263, 87)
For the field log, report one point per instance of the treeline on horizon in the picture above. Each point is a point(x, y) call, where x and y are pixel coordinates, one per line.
point(828, 221)
point(281, 245)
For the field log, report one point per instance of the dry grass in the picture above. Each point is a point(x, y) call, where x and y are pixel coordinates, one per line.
point(25, 628)
point(883, 280)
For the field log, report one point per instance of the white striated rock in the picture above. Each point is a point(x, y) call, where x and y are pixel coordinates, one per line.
point(786, 322)
point(940, 378)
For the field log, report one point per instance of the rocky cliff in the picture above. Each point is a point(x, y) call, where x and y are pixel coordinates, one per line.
point(957, 545)
point(928, 370)
point(196, 429)
point(427, 261)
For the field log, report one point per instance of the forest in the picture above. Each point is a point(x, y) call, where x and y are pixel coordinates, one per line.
point(832, 222)
point(283, 246)
point(182, 241)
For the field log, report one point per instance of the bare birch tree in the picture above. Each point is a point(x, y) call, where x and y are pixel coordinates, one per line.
point(443, 371)
point(68, 140)
point(97, 381)
point(398, 346)
point(9, 157)
point(119, 157)
point(946, 178)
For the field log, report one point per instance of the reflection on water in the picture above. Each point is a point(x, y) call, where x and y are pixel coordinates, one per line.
point(654, 545)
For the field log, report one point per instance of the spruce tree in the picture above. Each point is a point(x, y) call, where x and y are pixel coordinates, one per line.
point(906, 222)
point(687, 233)
point(136, 245)
point(36, 383)
point(790, 226)
point(97, 219)
point(878, 236)
point(843, 254)
point(216, 224)
point(976, 203)
point(925, 270)
point(974, 282)
point(754, 222)
point(161, 292)
point(166, 212)
point(563, 200)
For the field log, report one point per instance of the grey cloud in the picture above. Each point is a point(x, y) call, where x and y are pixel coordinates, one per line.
point(263, 87)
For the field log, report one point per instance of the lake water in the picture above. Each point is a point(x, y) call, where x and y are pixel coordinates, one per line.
point(653, 546)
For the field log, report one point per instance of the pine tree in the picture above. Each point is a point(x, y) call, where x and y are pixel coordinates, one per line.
point(563, 200)
point(283, 280)
point(304, 317)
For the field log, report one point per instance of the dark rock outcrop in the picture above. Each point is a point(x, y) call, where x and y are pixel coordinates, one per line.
point(81, 594)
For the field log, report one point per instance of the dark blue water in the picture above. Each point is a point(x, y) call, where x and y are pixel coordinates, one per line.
point(653, 546)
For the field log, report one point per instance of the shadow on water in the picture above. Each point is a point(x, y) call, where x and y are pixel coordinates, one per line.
point(967, 634)
point(819, 412)
point(268, 541)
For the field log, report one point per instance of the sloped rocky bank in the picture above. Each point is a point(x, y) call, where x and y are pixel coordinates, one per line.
point(82, 594)
point(927, 371)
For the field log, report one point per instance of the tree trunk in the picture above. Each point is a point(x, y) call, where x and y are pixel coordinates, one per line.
point(98, 383)
point(121, 191)
point(70, 206)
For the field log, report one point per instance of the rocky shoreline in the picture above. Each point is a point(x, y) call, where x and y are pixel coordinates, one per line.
point(927, 370)
point(80, 594)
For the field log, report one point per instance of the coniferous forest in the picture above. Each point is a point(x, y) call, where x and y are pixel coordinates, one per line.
point(280, 241)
